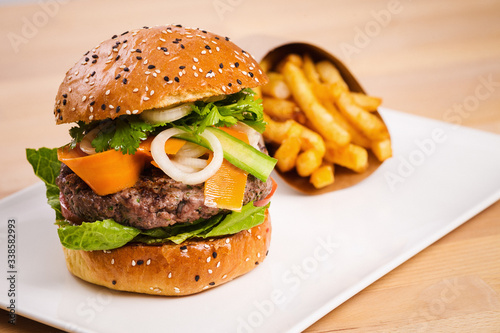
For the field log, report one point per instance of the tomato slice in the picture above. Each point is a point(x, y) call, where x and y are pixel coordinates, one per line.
point(266, 200)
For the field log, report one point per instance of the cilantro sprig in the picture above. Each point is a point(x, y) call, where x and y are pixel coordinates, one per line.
point(241, 106)
point(126, 132)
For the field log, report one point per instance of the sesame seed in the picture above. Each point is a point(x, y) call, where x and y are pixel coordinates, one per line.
point(227, 239)
point(195, 59)
point(236, 64)
point(148, 262)
point(151, 66)
point(166, 78)
point(170, 275)
point(95, 56)
point(135, 90)
point(145, 98)
point(140, 262)
point(239, 81)
point(133, 262)
point(103, 107)
point(128, 112)
point(209, 258)
point(138, 58)
point(203, 52)
point(126, 69)
point(64, 102)
point(183, 248)
point(210, 271)
point(247, 259)
point(176, 79)
point(147, 72)
point(118, 108)
point(214, 254)
point(84, 98)
point(93, 102)
point(177, 290)
point(124, 81)
point(218, 264)
point(155, 75)
point(212, 283)
point(117, 57)
point(90, 117)
point(118, 76)
point(135, 111)
point(151, 93)
point(197, 278)
point(195, 74)
point(256, 263)
point(113, 261)
point(113, 282)
point(224, 276)
point(107, 92)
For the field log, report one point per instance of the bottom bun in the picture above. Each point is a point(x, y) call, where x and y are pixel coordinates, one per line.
point(171, 269)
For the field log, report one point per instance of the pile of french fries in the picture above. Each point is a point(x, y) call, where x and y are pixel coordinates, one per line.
point(317, 122)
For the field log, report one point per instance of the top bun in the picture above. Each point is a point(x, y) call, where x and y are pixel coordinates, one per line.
point(153, 68)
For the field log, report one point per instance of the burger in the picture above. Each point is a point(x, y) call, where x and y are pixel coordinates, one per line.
point(164, 187)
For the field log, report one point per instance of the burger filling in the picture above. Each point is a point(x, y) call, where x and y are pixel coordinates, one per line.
point(194, 170)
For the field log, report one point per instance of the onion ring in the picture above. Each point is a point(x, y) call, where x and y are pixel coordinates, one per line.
point(166, 115)
point(170, 169)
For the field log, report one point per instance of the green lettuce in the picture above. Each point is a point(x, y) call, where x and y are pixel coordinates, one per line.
point(46, 166)
point(98, 235)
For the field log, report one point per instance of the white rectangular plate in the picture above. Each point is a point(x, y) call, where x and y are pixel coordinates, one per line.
point(324, 250)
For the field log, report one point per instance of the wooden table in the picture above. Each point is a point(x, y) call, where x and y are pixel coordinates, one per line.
point(423, 57)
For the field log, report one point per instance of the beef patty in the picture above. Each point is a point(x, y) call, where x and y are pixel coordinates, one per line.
point(156, 200)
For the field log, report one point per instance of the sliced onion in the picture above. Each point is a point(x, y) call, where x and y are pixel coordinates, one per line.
point(191, 162)
point(167, 115)
point(86, 143)
point(254, 137)
point(215, 98)
point(190, 149)
point(185, 168)
point(174, 172)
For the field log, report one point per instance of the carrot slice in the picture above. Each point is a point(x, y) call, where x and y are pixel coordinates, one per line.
point(226, 189)
point(107, 172)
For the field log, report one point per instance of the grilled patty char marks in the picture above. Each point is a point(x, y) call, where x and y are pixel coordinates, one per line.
point(156, 200)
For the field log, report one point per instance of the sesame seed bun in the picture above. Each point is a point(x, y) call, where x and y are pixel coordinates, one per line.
point(171, 269)
point(153, 68)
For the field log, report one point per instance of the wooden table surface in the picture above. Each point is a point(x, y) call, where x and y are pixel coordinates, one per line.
point(430, 58)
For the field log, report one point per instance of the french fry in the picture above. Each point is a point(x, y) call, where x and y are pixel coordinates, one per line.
point(356, 136)
point(330, 74)
point(382, 149)
point(369, 124)
point(314, 111)
point(276, 87)
point(278, 131)
point(369, 103)
point(323, 176)
point(281, 109)
point(288, 150)
point(352, 156)
point(265, 65)
point(291, 58)
point(308, 161)
point(310, 70)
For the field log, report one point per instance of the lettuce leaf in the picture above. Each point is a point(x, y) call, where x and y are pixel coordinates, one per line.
point(99, 235)
point(46, 166)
